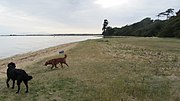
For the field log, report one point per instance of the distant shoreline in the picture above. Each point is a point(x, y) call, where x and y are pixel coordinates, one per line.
point(53, 35)
point(22, 44)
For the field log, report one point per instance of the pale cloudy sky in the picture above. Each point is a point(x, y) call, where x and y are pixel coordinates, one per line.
point(75, 16)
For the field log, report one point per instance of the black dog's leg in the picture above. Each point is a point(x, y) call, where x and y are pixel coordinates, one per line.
point(13, 84)
point(18, 83)
point(26, 84)
point(7, 82)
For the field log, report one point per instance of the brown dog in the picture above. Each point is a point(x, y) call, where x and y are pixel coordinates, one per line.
point(56, 61)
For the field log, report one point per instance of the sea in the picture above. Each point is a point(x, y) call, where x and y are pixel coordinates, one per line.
point(13, 45)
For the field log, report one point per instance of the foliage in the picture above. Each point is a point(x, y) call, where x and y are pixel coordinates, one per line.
point(104, 26)
point(167, 13)
point(149, 28)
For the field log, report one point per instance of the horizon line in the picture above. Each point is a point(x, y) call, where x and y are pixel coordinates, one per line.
point(50, 34)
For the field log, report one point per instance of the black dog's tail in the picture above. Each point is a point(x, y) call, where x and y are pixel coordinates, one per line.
point(29, 78)
point(26, 76)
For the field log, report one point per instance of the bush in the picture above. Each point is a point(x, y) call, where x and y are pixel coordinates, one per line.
point(148, 28)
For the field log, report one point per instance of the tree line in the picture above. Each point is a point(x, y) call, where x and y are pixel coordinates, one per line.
point(149, 27)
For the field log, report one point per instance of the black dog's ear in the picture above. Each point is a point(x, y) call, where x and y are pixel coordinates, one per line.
point(11, 65)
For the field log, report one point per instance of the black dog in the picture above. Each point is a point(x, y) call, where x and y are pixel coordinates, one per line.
point(17, 74)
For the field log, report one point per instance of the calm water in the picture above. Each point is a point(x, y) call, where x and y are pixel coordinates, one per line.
point(12, 45)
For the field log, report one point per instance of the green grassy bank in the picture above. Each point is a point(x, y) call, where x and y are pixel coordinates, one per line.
point(109, 69)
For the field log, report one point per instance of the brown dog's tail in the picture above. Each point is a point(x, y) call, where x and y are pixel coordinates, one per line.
point(65, 56)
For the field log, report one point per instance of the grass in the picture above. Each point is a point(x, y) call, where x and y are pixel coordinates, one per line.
point(109, 69)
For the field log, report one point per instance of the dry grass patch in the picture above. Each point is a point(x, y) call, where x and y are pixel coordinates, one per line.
point(110, 69)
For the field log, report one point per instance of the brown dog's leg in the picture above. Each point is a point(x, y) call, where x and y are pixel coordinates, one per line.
point(66, 64)
point(61, 65)
point(52, 66)
point(56, 66)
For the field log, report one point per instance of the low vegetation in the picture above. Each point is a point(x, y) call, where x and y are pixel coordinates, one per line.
point(109, 69)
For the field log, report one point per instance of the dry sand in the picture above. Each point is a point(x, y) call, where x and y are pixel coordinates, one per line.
point(22, 60)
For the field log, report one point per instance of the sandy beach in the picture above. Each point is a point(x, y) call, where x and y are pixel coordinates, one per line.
point(22, 60)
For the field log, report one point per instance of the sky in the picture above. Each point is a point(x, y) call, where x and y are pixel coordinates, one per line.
point(75, 16)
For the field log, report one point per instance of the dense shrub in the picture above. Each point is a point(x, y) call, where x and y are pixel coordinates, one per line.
point(149, 28)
